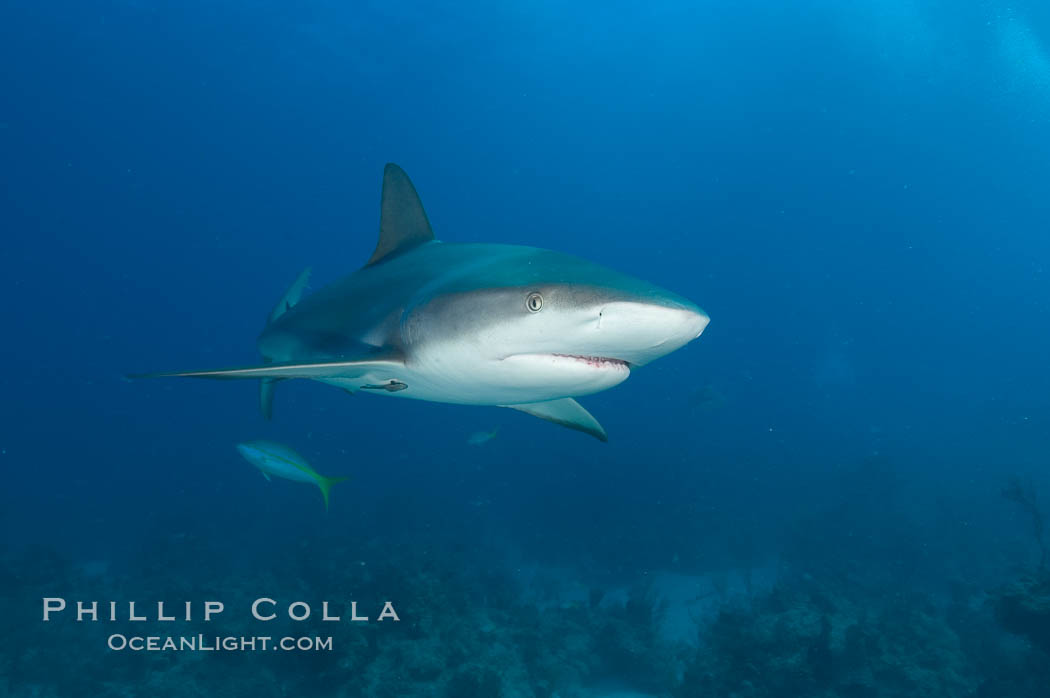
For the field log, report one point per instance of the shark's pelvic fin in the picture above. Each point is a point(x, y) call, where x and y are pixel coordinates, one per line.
point(266, 388)
point(403, 223)
point(278, 371)
point(566, 412)
point(291, 296)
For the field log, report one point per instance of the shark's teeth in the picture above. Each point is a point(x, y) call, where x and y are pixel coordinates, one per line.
point(596, 361)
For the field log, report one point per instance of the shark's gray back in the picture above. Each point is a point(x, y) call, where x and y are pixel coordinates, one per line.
point(365, 309)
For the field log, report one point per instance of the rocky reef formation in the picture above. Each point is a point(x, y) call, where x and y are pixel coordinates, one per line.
point(464, 630)
point(1023, 494)
point(1023, 607)
point(818, 641)
point(473, 628)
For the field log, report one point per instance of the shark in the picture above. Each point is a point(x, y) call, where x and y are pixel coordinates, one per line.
point(467, 323)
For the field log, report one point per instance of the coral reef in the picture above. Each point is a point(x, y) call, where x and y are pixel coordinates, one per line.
point(1023, 607)
point(473, 628)
point(465, 630)
point(816, 641)
point(1024, 495)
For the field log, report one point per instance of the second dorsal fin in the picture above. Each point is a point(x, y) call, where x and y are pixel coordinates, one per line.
point(403, 223)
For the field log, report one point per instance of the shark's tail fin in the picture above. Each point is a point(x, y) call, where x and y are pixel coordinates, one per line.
point(288, 301)
point(325, 484)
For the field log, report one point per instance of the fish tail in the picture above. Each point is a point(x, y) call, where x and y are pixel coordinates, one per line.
point(325, 484)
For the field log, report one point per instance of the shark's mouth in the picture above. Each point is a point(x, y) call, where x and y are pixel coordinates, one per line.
point(603, 362)
point(577, 363)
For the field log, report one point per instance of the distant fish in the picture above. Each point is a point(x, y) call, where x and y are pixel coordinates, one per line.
point(707, 399)
point(274, 459)
point(480, 438)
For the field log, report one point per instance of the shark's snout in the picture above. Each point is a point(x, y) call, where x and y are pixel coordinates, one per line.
point(699, 322)
point(639, 332)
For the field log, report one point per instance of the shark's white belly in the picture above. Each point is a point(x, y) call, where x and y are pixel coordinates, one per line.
point(456, 377)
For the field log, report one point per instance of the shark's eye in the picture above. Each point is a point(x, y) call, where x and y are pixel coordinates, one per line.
point(534, 302)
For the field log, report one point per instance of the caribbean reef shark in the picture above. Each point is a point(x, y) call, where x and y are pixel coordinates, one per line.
point(468, 323)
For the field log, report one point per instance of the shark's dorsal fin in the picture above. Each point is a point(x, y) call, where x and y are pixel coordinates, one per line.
point(403, 223)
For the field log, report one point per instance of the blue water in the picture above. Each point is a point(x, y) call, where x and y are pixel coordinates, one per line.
point(855, 192)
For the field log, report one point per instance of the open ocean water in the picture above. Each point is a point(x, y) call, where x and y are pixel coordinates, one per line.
point(839, 489)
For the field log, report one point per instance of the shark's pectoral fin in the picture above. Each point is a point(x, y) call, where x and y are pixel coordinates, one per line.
point(291, 296)
point(566, 412)
point(318, 370)
point(288, 301)
point(266, 475)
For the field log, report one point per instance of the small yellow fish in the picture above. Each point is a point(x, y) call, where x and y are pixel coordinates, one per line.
point(479, 438)
point(275, 459)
